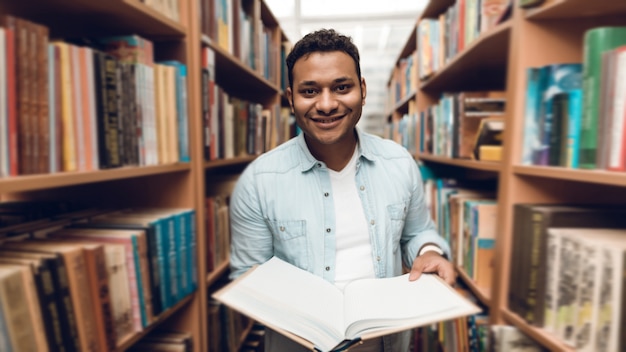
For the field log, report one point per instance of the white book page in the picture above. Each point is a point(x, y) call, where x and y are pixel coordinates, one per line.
point(398, 302)
point(284, 296)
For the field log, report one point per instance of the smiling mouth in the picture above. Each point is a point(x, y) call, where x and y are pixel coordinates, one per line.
point(326, 120)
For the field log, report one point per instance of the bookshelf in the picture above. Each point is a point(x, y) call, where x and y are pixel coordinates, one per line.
point(169, 184)
point(497, 59)
point(257, 81)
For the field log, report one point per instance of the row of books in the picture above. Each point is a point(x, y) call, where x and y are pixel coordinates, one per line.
point(227, 327)
point(218, 231)
point(466, 217)
point(73, 107)
point(465, 334)
point(567, 272)
point(458, 126)
point(575, 112)
point(440, 39)
point(235, 127)
point(90, 280)
point(237, 27)
point(403, 80)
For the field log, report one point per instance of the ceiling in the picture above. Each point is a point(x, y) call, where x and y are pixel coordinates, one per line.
point(379, 29)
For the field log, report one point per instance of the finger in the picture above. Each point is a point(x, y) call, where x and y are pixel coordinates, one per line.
point(414, 274)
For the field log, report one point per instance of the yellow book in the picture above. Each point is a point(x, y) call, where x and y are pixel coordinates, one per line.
point(171, 117)
point(161, 126)
point(490, 153)
point(67, 112)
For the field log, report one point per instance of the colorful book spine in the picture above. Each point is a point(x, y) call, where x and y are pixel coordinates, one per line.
point(595, 42)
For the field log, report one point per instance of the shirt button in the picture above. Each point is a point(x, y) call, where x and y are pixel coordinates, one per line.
point(372, 222)
point(328, 230)
point(282, 228)
point(362, 188)
point(327, 268)
point(319, 165)
point(326, 194)
point(378, 258)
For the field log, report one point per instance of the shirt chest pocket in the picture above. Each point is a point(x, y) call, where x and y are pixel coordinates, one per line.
point(396, 214)
point(290, 241)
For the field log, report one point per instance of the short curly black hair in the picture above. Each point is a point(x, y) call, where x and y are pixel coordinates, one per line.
point(322, 40)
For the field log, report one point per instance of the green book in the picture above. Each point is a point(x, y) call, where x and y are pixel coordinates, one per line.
point(595, 42)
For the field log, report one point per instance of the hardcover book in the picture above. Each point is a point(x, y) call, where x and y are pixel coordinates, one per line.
point(317, 314)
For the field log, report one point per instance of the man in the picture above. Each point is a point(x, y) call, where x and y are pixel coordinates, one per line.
point(334, 200)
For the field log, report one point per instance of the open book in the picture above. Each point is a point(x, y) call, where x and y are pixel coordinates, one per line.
point(317, 314)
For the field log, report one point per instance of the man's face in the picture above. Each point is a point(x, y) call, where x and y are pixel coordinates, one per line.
point(327, 98)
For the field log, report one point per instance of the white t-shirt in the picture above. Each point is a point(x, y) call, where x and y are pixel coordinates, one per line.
point(354, 250)
point(353, 246)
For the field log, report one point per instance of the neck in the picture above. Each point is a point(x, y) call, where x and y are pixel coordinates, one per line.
point(335, 156)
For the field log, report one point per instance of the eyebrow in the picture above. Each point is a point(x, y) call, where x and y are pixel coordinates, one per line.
point(338, 80)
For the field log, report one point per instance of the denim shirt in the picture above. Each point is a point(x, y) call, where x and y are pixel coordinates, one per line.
point(282, 205)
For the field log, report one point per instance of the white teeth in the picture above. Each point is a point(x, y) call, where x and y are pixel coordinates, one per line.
point(327, 121)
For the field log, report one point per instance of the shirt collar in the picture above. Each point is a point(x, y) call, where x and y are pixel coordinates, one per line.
point(308, 162)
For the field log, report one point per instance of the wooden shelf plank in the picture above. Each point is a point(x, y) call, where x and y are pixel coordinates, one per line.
point(403, 104)
point(232, 72)
point(220, 163)
point(436, 7)
point(87, 17)
point(588, 176)
point(482, 65)
point(543, 337)
point(466, 163)
point(218, 272)
point(61, 179)
point(126, 344)
point(481, 293)
point(567, 9)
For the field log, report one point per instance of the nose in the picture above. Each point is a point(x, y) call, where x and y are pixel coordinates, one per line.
point(326, 103)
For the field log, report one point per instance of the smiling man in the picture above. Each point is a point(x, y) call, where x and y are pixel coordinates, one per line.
point(334, 200)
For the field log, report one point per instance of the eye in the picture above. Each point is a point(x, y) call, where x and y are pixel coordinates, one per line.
point(342, 88)
point(308, 91)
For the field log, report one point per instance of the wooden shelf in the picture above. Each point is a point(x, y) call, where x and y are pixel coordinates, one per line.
point(537, 334)
point(568, 9)
point(481, 293)
point(403, 104)
point(61, 179)
point(481, 65)
point(588, 176)
point(231, 72)
point(66, 18)
point(466, 163)
point(436, 7)
point(221, 163)
point(161, 318)
point(218, 272)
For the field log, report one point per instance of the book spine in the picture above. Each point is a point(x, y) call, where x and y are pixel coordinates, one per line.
point(83, 305)
point(143, 273)
point(193, 250)
point(161, 253)
point(49, 308)
point(95, 264)
point(16, 311)
point(65, 302)
point(595, 42)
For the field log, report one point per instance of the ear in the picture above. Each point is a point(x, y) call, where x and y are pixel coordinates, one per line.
point(289, 93)
point(363, 91)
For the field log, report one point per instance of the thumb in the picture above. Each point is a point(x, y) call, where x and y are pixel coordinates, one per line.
point(416, 270)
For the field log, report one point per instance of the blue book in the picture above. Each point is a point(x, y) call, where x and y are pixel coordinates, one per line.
point(535, 81)
point(560, 78)
point(574, 113)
